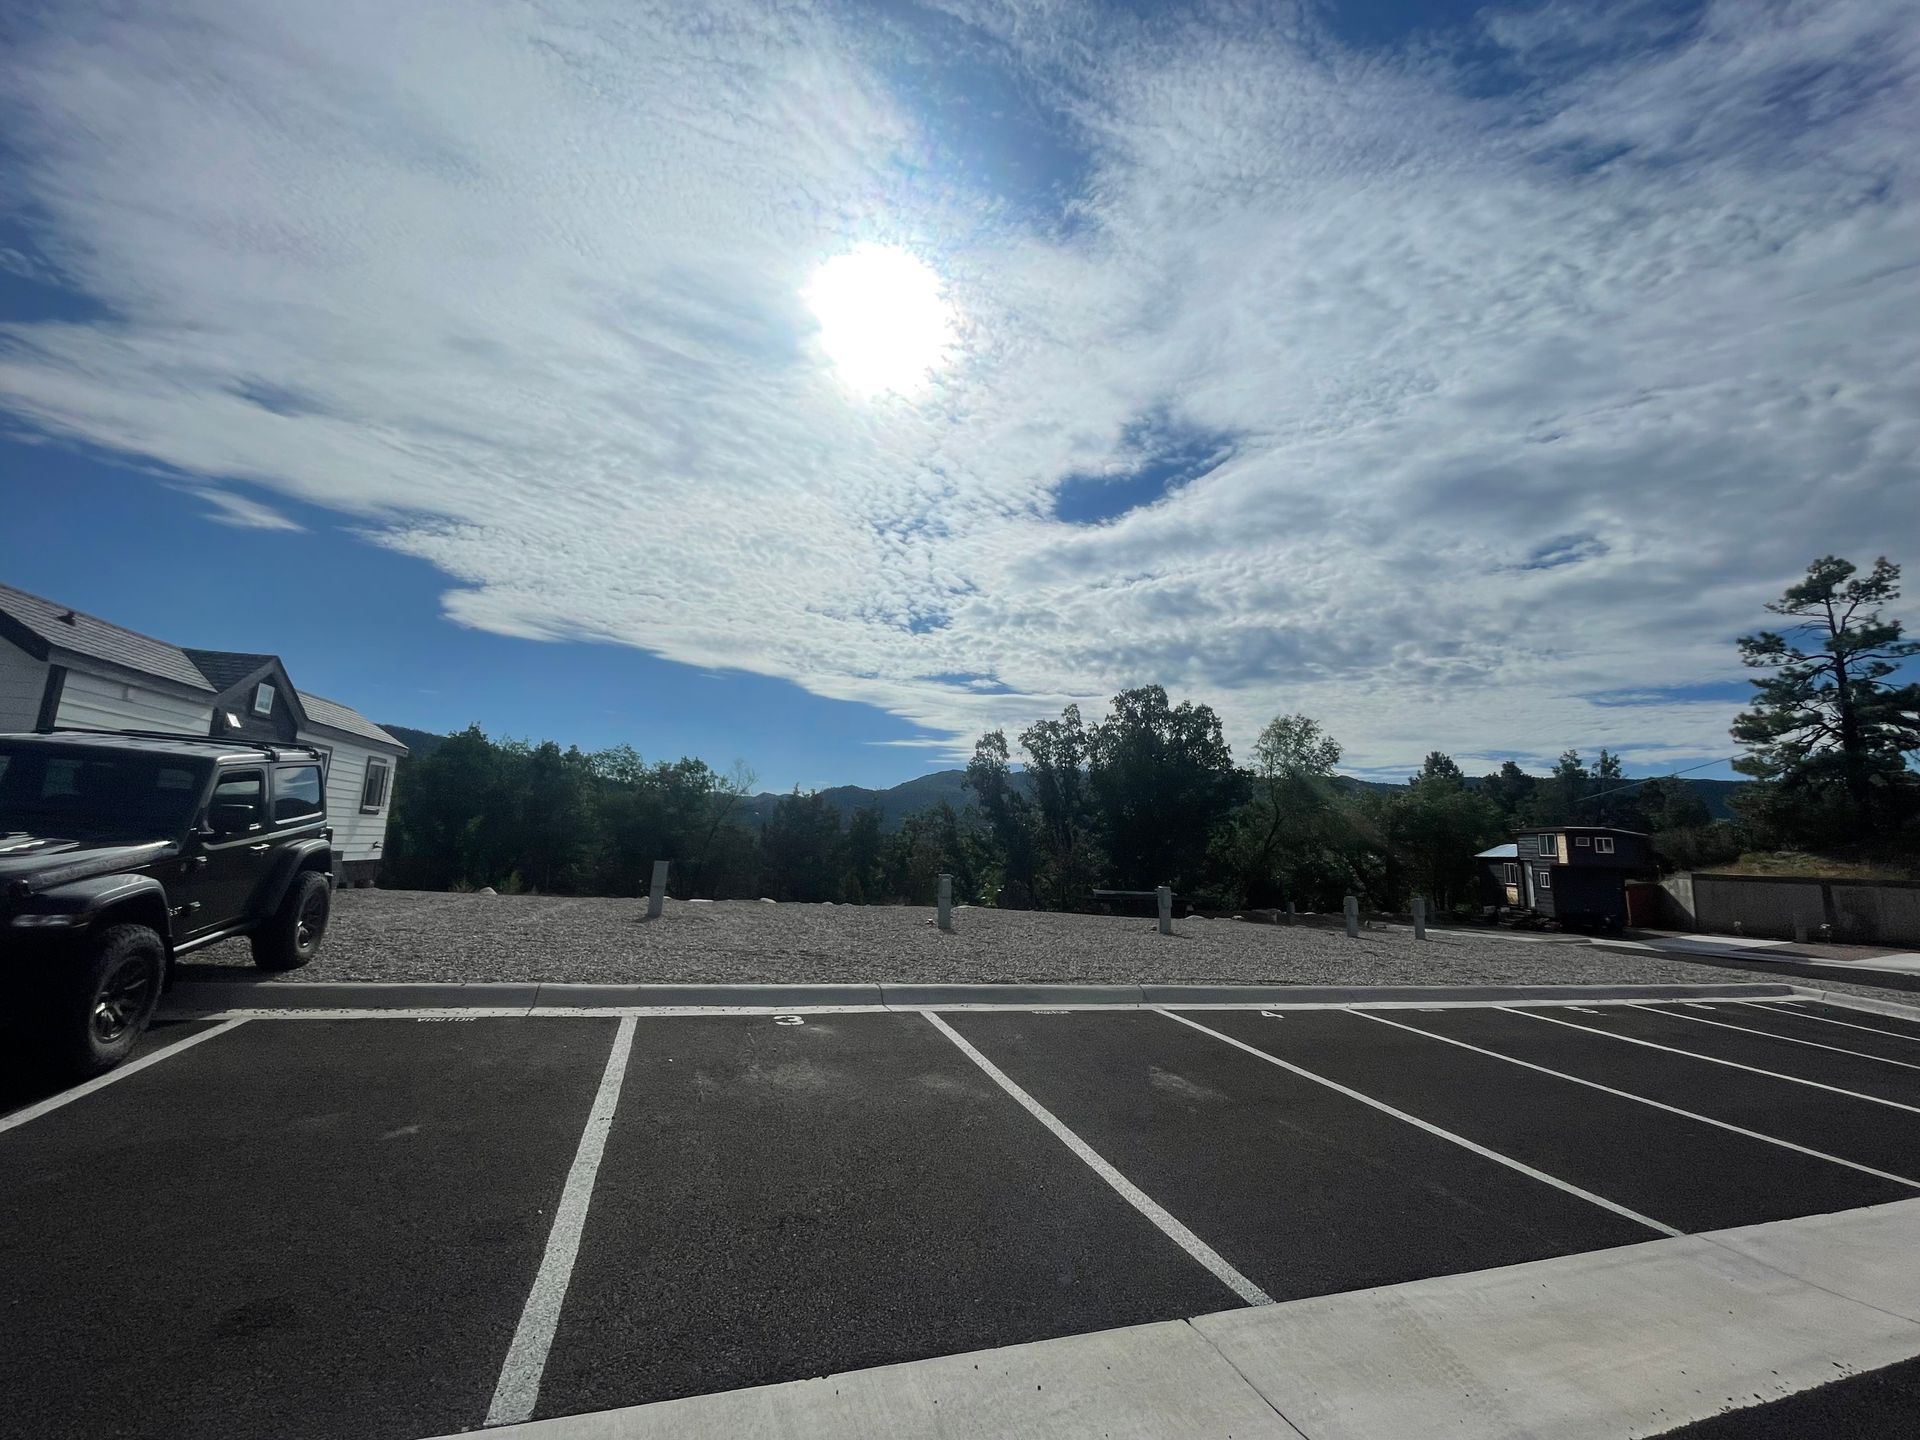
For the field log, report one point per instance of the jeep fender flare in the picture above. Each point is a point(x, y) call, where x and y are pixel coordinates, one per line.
point(302, 855)
point(136, 899)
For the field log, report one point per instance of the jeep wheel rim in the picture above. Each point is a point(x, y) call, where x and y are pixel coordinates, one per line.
point(313, 920)
point(122, 1000)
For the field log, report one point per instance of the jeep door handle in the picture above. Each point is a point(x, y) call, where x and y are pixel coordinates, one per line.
point(260, 849)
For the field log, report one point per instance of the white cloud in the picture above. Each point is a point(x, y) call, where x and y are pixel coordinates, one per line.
point(240, 512)
point(1535, 392)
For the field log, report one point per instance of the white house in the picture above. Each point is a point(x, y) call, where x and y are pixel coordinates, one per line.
point(61, 669)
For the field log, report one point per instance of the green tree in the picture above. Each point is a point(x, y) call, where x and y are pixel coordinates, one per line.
point(1509, 788)
point(1012, 818)
point(1434, 831)
point(1161, 778)
point(556, 831)
point(1067, 860)
point(1277, 845)
point(802, 847)
point(1827, 716)
point(1556, 800)
point(935, 841)
point(865, 879)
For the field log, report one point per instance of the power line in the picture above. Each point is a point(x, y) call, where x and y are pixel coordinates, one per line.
point(1635, 784)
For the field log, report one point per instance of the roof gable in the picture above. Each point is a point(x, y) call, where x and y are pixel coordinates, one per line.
point(227, 668)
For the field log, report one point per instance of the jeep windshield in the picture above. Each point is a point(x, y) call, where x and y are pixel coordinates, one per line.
point(96, 793)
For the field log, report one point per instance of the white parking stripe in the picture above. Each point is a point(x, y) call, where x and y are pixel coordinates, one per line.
point(1643, 1100)
point(1715, 1060)
point(519, 1387)
point(1127, 1190)
point(1776, 1035)
point(1430, 1128)
point(1793, 1008)
point(100, 1082)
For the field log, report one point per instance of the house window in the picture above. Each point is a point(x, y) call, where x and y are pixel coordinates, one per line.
point(263, 699)
point(373, 791)
point(1510, 873)
point(1547, 844)
point(1543, 878)
point(1603, 844)
point(1581, 840)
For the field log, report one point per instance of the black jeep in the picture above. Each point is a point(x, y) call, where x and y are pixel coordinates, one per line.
point(120, 851)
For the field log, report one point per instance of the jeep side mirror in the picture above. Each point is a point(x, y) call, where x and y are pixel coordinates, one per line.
point(225, 820)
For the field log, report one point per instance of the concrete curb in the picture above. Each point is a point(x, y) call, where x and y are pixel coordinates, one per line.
point(203, 996)
point(593, 997)
point(1873, 1004)
point(910, 996)
point(211, 996)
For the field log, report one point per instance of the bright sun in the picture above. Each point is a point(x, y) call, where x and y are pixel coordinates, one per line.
point(882, 319)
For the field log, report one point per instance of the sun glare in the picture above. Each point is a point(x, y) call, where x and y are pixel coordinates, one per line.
point(883, 322)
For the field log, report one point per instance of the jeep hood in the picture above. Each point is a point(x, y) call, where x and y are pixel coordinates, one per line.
point(30, 862)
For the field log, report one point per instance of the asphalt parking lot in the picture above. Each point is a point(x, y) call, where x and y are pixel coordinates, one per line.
point(412, 1226)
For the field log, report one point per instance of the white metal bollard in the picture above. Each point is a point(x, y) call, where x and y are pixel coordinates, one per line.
point(1164, 894)
point(946, 902)
point(657, 896)
point(1419, 918)
point(1352, 907)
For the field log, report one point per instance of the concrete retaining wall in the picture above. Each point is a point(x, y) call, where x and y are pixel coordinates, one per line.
point(1885, 913)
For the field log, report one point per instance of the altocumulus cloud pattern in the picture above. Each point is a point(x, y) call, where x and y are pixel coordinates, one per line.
point(1366, 362)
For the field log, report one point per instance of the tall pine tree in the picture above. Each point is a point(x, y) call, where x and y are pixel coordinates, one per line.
point(1826, 716)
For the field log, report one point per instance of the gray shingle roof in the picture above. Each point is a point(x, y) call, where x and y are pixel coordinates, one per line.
point(227, 668)
point(47, 625)
point(339, 717)
point(95, 638)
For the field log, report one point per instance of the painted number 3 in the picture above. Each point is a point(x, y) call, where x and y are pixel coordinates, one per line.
point(788, 1020)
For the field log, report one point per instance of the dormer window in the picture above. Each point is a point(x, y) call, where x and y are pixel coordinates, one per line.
point(263, 699)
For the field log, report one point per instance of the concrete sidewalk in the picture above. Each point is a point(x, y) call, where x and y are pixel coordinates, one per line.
point(1598, 1346)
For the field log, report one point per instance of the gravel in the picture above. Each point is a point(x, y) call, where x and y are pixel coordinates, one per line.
point(428, 936)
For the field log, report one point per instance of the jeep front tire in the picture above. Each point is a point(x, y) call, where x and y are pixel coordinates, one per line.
point(291, 936)
point(99, 1008)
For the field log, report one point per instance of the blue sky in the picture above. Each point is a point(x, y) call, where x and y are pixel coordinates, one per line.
point(1464, 376)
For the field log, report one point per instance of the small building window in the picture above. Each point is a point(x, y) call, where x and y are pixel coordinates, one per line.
point(1510, 873)
point(1543, 877)
point(263, 699)
point(1603, 844)
point(1581, 840)
point(373, 791)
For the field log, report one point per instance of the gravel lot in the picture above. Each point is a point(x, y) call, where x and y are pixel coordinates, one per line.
point(418, 935)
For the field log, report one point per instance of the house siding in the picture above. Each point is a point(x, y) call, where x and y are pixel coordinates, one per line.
point(94, 702)
point(357, 838)
point(23, 680)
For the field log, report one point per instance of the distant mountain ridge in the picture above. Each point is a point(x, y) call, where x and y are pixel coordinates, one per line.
point(923, 792)
point(899, 801)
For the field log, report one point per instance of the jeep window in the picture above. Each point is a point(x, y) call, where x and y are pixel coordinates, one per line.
point(243, 787)
point(373, 793)
point(95, 793)
point(296, 792)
